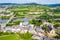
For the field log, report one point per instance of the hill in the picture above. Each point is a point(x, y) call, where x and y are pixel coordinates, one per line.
point(9, 4)
point(19, 4)
point(51, 5)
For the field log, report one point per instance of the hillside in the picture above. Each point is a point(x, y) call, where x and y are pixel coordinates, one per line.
point(51, 5)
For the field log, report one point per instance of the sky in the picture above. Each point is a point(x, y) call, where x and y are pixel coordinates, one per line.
point(31, 1)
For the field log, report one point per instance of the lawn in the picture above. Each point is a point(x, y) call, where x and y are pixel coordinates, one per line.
point(9, 37)
point(26, 36)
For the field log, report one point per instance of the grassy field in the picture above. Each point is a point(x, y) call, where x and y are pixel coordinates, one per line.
point(9, 37)
point(26, 36)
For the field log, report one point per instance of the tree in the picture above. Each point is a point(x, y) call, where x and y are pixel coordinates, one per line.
point(35, 22)
point(46, 17)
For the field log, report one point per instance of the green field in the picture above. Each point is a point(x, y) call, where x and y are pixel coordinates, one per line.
point(26, 36)
point(9, 37)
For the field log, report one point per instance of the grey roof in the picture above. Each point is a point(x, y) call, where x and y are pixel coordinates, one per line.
point(51, 38)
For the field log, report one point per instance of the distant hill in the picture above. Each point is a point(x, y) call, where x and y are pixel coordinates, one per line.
point(51, 5)
point(31, 4)
point(9, 4)
point(19, 4)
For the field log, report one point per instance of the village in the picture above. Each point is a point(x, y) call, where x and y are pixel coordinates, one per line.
point(41, 24)
point(38, 32)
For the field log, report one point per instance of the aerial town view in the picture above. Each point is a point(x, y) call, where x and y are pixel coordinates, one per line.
point(29, 19)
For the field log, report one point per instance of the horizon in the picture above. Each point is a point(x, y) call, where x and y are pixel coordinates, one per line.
point(31, 1)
